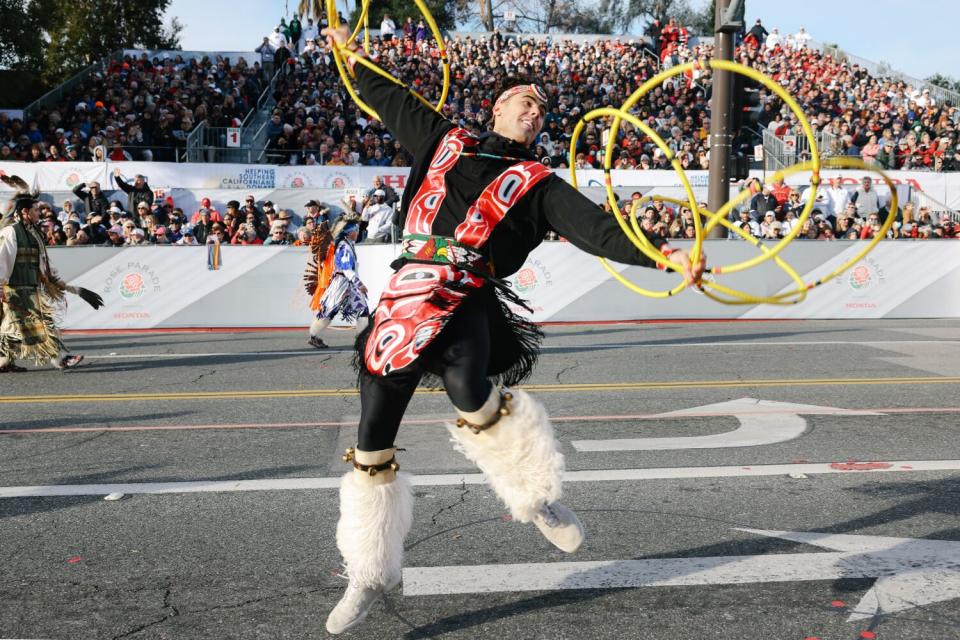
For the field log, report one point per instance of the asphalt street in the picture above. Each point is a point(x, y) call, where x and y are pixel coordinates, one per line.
point(754, 480)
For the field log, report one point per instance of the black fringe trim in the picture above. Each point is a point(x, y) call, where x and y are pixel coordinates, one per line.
point(517, 343)
point(359, 348)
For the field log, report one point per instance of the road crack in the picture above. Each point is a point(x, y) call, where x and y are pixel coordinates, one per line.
point(575, 364)
point(463, 498)
point(203, 375)
point(244, 603)
point(174, 612)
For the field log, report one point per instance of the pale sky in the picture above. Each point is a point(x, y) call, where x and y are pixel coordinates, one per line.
point(917, 38)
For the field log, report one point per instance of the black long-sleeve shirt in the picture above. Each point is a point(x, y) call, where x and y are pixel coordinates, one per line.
point(135, 194)
point(92, 205)
point(552, 204)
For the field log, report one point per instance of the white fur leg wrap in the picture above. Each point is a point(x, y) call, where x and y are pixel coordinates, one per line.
point(374, 520)
point(518, 455)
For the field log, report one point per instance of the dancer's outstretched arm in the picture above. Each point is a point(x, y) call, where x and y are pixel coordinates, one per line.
point(588, 227)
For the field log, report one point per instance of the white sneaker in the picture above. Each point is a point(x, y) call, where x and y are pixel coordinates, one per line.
point(560, 526)
point(354, 606)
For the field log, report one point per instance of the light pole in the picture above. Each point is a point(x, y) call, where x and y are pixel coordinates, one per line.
point(728, 20)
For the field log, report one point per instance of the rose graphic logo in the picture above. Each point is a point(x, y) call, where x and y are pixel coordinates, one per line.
point(339, 183)
point(132, 286)
point(526, 279)
point(860, 278)
point(297, 183)
point(73, 180)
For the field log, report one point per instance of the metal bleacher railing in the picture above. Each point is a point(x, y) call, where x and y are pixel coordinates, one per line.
point(246, 143)
point(57, 95)
point(883, 70)
point(780, 152)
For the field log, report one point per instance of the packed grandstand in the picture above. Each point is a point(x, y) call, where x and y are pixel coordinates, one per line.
point(143, 107)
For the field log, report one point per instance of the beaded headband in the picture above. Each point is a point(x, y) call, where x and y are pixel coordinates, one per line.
point(522, 88)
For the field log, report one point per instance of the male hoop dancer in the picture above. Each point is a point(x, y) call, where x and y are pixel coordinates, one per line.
point(473, 208)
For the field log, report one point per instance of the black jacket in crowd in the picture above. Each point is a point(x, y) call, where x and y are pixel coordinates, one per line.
point(135, 195)
point(92, 205)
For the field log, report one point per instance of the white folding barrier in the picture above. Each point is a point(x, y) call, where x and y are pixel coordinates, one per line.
point(169, 286)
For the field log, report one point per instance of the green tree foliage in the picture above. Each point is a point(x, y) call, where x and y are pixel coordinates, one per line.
point(946, 82)
point(87, 30)
point(570, 17)
point(22, 25)
point(60, 37)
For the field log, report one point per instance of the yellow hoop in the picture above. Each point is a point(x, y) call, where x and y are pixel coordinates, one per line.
point(341, 51)
point(712, 219)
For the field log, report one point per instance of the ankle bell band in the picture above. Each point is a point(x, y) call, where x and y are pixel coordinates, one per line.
point(502, 410)
point(370, 469)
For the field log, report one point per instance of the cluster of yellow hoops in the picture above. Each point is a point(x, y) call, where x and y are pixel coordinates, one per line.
point(703, 220)
point(346, 50)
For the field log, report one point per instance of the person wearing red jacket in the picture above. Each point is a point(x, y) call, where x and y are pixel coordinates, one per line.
point(206, 204)
point(780, 191)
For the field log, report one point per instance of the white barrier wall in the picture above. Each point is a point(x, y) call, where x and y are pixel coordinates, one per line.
point(165, 287)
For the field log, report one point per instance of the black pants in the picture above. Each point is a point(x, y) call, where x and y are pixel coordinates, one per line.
point(459, 356)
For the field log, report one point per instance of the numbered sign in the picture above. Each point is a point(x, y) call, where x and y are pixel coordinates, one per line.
point(233, 137)
point(790, 145)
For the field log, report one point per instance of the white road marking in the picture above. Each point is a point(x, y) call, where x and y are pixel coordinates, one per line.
point(910, 572)
point(783, 423)
point(553, 347)
point(456, 479)
point(922, 579)
point(217, 354)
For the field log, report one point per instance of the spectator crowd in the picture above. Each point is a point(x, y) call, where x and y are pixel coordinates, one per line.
point(885, 122)
point(143, 109)
point(138, 108)
point(771, 212)
point(90, 217)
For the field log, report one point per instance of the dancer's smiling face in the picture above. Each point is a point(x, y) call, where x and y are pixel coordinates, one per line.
point(519, 117)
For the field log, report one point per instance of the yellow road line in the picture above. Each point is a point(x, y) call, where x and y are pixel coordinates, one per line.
point(540, 388)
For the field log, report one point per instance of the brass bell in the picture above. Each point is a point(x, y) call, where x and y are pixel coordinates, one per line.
point(372, 471)
point(504, 410)
point(461, 422)
point(507, 396)
point(348, 456)
point(394, 466)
